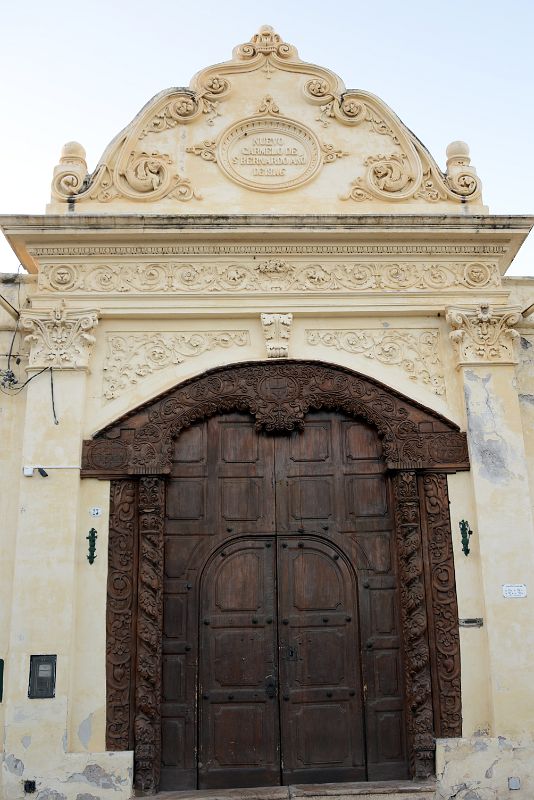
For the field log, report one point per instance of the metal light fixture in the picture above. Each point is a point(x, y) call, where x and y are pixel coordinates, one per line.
point(466, 533)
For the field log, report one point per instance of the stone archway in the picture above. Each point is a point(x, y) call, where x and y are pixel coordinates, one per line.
point(419, 446)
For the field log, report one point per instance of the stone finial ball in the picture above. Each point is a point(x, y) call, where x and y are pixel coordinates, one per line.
point(73, 150)
point(458, 150)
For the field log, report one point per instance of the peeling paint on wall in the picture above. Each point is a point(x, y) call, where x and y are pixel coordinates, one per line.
point(85, 731)
point(488, 446)
point(14, 765)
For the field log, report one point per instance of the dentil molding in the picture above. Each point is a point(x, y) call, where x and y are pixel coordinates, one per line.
point(59, 337)
point(484, 334)
point(415, 351)
point(131, 357)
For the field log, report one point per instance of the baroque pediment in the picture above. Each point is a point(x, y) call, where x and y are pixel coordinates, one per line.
point(265, 132)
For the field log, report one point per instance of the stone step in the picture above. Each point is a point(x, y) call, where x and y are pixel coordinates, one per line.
point(377, 790)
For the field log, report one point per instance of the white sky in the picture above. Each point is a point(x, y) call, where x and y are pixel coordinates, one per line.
point(451, 69)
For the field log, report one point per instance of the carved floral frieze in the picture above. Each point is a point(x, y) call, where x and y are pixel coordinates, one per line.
point(276, 274)
point(485, 334)
point(414, 351)
point(276, 330)
point(131, 357)
point(59, 337)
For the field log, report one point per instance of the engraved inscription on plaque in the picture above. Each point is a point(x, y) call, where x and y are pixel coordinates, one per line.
point(269, 154)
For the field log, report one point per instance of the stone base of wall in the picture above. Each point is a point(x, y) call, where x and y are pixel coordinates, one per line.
point(80, 776)
point(466, 769)
point(480, 768)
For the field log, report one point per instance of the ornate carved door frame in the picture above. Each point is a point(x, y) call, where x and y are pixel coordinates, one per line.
point(419, 447)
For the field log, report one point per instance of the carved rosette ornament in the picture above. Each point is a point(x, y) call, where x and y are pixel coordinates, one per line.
point(484, 334)
point(276, 330)
point(60, 338)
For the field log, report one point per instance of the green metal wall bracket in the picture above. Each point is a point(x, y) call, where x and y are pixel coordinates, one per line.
point(92, 545)
point(466, 534)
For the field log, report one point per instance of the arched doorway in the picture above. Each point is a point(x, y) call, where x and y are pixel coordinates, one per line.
point(337, 532)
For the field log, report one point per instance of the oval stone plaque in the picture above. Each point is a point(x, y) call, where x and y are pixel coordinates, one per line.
point(269, 155)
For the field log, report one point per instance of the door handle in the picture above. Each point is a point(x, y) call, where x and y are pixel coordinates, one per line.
point(270, 689)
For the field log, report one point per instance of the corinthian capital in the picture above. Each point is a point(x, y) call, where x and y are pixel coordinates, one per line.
point(484, 335)
point(59, 337)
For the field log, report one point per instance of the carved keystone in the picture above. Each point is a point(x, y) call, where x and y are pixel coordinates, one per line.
point(276, 330)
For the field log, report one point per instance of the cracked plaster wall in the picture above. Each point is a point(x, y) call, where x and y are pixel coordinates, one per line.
point(479, 768)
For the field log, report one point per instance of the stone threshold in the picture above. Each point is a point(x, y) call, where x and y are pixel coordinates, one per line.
point(388, 790)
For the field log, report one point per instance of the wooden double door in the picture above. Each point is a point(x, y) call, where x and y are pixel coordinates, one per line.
point(281, 647)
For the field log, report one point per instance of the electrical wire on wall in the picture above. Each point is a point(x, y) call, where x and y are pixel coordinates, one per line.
point(10, 384)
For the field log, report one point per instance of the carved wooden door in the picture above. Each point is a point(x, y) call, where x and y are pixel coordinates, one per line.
point(281, 655)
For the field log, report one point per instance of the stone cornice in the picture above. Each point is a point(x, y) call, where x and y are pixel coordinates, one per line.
point(30, 234)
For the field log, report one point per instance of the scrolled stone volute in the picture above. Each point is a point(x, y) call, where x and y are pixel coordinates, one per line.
point(461, 176)
point(70, 173)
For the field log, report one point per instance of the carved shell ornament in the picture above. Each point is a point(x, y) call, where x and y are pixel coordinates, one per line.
point(269, 149)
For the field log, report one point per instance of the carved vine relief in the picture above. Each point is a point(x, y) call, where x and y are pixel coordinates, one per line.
point(277, 274)
point(278, 396)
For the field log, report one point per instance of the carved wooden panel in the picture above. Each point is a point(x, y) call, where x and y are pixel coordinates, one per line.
point(417, 671)
point(238, 736)
point(147, 725)
point(322, 720)
point(444, 612)
point(122, 592)
point(278, 396)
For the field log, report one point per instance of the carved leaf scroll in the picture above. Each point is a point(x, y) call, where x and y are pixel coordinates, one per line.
point(414, 351)
point(272, 275)
point(278, 395)
point(120, 613)
point(444, 604)
point(147, 725)
point(418, 679)
point(131, 357)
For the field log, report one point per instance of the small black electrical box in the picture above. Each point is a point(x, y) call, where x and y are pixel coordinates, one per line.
point(42, 677)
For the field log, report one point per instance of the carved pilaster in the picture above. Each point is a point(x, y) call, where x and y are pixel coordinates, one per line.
point(147, 726)
point(120, 612)
point(484, 334)
point(418, 680)
point(444, 614)
point(276, 330)
point(59, 337)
